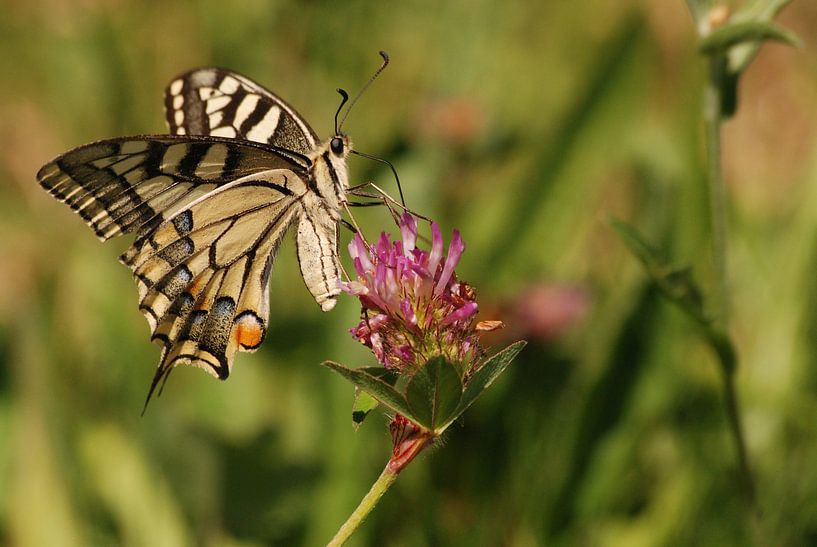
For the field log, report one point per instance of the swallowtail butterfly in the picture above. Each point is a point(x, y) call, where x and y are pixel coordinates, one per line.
point(210, 204)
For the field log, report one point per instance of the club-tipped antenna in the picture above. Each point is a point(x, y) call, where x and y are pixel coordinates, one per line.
point(364, 88)
point(391, 166)
point(345, 97)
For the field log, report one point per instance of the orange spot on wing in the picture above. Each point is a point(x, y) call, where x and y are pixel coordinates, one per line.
point(195, 287)
point(249, 332)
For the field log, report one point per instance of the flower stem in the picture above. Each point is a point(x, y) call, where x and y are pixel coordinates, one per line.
point(383, 482)
point(717, 203)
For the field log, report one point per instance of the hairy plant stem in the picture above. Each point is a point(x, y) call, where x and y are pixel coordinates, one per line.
point(717, 204)
point(383, 482)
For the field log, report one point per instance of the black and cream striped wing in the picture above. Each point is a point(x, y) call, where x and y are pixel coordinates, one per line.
point(119, 185)
point(214, 101)
point(210, 214)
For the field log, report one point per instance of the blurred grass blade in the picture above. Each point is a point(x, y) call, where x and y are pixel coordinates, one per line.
point(434, 392)
point(734, 34)
point(613, 59)
point(676, 283)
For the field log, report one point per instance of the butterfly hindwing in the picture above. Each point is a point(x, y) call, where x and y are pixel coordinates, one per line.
point(203, 288)
point(218, 102)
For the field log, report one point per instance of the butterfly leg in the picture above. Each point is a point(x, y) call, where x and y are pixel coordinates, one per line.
point(354, 227)
point(364, 203)
point(383, 196)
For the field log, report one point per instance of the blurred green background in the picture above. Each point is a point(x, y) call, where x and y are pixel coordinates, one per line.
point(525, 125)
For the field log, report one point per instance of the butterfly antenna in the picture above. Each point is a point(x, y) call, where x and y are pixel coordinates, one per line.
point(345, 97)
point(391, 166)
point(365, 87)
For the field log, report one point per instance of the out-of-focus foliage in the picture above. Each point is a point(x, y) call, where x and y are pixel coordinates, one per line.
point(525, 125)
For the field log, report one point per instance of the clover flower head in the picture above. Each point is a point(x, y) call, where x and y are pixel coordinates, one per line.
point(413, 305)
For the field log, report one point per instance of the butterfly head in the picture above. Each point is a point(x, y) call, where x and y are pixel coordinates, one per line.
point(340, 145)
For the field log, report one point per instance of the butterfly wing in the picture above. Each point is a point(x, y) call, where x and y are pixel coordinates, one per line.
point(211, 213)
point(214, 101)
point(203, 274)
point(119, 185)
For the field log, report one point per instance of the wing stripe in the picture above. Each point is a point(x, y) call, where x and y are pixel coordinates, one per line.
point(188, 164)
point(256, 116)
point(231, 108)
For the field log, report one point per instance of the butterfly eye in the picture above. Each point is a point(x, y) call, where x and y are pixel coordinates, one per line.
point(336, 145)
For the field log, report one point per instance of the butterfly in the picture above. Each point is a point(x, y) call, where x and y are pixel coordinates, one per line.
point(210, 204)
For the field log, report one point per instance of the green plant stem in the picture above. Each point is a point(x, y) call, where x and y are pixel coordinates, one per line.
point(736, 425)
point(383, 482)
point(717, 204)
point(717, 192)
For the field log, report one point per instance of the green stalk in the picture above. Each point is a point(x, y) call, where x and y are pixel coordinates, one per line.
point(383, 482)
point(717, 193)
point(713, 116)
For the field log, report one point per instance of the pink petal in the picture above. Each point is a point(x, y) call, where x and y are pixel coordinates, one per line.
point(408, 312)
point(376, 322)
point(355, 288)
point(405, 354)
point(359, 269)
point(361, 332)
point(436, 248)
point(408, 229)
point(358, 250)
point(455, 250)
point(377, 347)
point(383, 248)
point(466, 311)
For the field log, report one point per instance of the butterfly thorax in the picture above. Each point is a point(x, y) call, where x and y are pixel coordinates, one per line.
point(329, 175)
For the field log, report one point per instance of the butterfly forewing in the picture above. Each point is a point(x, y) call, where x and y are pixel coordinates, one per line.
point(214, 101)
point(118, 185)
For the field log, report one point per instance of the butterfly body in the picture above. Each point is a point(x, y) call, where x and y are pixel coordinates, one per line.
point(210, 204)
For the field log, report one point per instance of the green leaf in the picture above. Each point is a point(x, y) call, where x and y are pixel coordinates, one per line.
point(741, 55)
point(733, 34)
point(365, 403)
point(377, 388)
point(434, 392)
point(485, 375)
point(734, 45)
